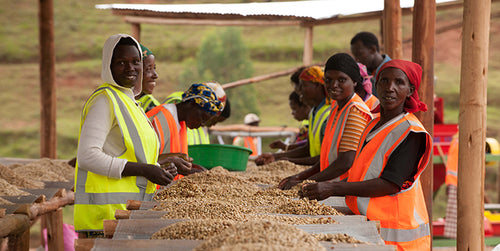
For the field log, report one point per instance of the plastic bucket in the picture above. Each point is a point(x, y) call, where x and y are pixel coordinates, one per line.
point(232, 158)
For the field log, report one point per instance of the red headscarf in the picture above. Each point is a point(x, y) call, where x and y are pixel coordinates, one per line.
point(414, 73)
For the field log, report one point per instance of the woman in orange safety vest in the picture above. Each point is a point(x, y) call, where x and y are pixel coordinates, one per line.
point(170, 121)
point(348, 118)
point(395, 148)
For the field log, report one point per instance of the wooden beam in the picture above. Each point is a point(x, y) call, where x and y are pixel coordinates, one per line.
point(424, 22)
point(472, 124)
point(136, 31)
point(208, 22)
point(258, 78)
point(48, 138)
point(14, 224)
point(307, 56)
point(392, 29)
point(122, 214)
point(84, 244)
point(133, 204)
point(109, 227)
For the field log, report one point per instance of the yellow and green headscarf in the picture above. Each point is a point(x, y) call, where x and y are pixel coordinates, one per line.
point(145, 52)
point(204, 96)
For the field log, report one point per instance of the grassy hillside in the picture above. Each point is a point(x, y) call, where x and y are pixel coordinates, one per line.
point(80, 31)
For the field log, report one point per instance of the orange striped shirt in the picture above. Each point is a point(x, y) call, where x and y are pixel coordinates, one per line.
point(355, 124)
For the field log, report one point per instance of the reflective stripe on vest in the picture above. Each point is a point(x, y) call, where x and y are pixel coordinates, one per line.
point(315, 123)
point(166, 128)
point(94, 189)
point(335, 129)
point(403, 216)
point(146, 101)
point(197, 136)
point(372, 102)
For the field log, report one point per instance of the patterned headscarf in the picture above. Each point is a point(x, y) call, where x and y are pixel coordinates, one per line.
point(312, 74)
point(367, 83)
point(204, 96)
point(414, 73)
point(145, 52)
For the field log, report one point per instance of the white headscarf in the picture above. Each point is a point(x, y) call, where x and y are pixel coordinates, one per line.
point(107, 55)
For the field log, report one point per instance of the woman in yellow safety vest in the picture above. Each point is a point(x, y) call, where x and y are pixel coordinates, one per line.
point(395, 148)
point(117, 146)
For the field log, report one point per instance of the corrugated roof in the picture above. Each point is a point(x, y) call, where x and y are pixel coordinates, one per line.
point(312, 9)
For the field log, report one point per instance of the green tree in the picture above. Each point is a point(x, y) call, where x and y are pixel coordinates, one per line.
point(223, 57)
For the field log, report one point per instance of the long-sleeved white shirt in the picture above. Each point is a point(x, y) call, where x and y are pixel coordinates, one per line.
point(101, 140)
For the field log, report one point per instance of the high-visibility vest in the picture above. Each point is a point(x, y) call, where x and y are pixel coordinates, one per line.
point(372, 102)
point(335, 129)
point(148, 102)
point(403, 216)
point(173, 139)
point(315, 122)
point(97, 197)
point(198, 136)
point(194, 136)
point(452, 163)
point(250, 143)
point(173, 98)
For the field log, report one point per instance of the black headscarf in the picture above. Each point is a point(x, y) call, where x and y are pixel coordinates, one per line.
point(345, 63)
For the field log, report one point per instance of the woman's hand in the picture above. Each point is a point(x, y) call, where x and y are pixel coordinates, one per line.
point(318, 191)
point(197, 169)
point(159, 175)
point(264, 159)
point(277, 144)
point(171, 169)
point(289, 182)
point(183, 165)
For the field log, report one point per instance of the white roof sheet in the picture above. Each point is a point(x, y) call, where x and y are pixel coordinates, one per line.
point(315, 9)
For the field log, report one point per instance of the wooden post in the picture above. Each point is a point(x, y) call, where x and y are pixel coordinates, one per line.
point(308, 45)
point(48, 140)
point(424, 19)
point(20, 242)
point(136, 31)
point(55, 236)
point(472, 124)
point(392, 34)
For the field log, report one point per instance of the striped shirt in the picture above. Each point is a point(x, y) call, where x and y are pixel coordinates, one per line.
point(355, 125)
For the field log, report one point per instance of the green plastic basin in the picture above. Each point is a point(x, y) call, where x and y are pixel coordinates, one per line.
point(232, 158)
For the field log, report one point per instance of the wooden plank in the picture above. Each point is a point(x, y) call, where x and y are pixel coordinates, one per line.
point(135, 245)
point(207, 22)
